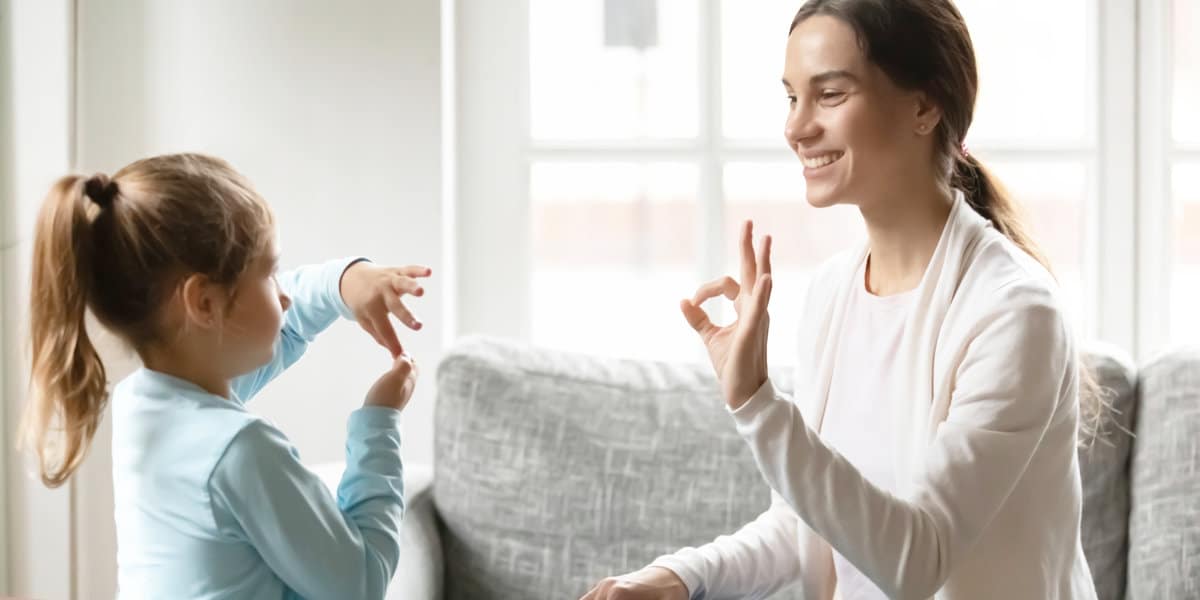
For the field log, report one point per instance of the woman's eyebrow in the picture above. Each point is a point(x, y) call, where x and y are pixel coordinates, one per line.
point(827, 76)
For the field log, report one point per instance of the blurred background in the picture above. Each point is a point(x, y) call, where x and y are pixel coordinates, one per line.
point(568, 168)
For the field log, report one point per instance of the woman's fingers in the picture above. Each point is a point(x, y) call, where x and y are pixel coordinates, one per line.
point(696, 317)
point(764, 256)
point(749, 268)
point(724, 286)
point(759, 299)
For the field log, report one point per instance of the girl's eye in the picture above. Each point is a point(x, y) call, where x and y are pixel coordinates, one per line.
point(832, 96)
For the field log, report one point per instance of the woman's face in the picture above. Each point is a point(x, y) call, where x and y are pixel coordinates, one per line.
point(856, 132)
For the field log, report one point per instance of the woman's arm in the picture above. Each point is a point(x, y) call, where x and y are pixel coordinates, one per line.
point(1007, 390)
point(756, 561)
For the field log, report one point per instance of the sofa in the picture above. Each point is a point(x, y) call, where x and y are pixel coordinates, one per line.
point(553, 470)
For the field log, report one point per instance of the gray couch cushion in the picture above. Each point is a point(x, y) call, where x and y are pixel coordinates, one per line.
point(1164, 529)
point(1104, 466)
point(554, 470)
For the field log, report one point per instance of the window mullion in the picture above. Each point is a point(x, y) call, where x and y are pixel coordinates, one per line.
point(1153, 174)
point(1112, 244)
point(711, 186)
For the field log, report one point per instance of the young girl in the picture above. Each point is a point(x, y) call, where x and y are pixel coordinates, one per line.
point(930, 447)
point(177, 255)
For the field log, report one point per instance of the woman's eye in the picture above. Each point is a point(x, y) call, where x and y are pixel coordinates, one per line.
point(832, 96)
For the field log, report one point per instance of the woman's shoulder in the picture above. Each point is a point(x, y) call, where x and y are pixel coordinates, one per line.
point(1002, 277)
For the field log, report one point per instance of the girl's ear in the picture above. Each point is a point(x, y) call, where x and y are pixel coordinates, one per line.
point(202, 301)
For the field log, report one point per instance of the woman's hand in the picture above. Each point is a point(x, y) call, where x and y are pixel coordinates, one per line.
point(650, 583)
point(372, 293)
point(395, 388)
point(739, 350)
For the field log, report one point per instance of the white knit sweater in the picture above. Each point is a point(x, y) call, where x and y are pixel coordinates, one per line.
point(987, 501)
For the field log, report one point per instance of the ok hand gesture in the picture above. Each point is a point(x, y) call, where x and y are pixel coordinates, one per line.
point(739, 350)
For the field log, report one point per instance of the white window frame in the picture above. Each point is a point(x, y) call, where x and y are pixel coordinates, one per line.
point(1155, 156)
point(1126, 261)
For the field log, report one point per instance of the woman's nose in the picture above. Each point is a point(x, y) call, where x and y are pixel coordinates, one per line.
point(799, 126)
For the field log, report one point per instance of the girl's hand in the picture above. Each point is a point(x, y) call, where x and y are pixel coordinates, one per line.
point(650, 583)
point(372, 293)
point(739, 350)
point(394, 388)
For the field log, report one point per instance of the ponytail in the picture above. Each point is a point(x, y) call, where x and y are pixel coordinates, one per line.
point(117, 254)
point(985, 194)
point(988, 197)
point(68, 379)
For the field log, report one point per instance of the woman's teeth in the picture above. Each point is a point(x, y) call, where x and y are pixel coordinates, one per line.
point(820, 161)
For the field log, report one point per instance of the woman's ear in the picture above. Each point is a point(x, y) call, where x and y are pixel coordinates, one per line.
point(926, 114)
point(202, 301)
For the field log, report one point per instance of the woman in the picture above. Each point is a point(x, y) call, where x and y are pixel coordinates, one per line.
point(930, 450)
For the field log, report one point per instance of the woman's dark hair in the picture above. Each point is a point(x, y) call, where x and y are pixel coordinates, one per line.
point(924, 45)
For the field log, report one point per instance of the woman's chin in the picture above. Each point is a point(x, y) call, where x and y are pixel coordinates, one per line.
point(821, 198)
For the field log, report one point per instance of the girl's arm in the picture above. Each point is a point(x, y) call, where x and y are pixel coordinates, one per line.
point(318, 546)
point(316, 303)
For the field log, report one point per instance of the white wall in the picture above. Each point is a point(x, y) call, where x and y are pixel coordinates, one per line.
point(331, 109)
point(6, 194)
point(35, 128)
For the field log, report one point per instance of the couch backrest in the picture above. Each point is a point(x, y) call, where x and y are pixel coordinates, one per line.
point(1164, 520)
point(1104, 466)
point(553, 470)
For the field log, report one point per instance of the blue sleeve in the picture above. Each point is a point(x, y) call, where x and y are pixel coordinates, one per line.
point(316, 304)
point(319, 547)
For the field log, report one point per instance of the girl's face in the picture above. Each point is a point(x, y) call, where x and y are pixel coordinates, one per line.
point(856, 132)
point(255, 317)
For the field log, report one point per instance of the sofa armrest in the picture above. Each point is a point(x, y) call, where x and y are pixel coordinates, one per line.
point(419, 573)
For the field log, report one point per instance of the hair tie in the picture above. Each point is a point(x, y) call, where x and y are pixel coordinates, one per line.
point(100, 189)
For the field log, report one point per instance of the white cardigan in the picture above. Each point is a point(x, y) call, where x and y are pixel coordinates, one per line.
point(988, 501)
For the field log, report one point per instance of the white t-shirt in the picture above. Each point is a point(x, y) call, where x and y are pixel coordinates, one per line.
point(857, 421)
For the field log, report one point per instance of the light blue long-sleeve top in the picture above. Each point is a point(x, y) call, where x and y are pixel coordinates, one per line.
point(213, 502)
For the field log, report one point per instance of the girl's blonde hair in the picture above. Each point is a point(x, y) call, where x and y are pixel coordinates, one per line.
point(118, 247)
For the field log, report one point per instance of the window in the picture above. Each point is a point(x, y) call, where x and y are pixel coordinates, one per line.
point(644, 164)
point(647, 130)
point(1184, 287)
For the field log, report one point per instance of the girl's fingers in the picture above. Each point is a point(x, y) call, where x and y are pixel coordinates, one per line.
point(403, 284)
point(396, 307)
point(725, 286)
point(385, 335)
point(369, 326)
point(413, 271)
